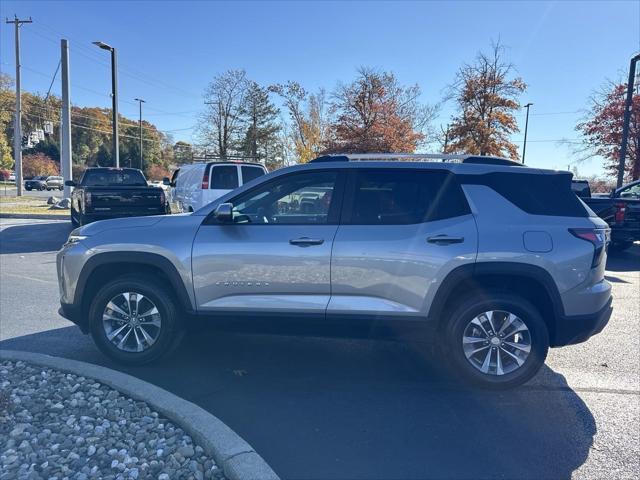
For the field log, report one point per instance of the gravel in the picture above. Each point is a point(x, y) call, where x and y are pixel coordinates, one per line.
point(57, 426)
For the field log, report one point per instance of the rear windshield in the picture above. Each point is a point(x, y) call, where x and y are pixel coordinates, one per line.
point(106, 178)
point(537, 194)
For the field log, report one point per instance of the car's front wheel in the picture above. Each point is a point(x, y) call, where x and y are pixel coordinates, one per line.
point(133, 320)
point(496, 340)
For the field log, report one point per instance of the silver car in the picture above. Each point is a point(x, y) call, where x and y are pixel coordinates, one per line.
point(491, 261)
point(55, 182)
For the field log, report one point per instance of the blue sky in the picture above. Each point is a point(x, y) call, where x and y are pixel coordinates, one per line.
point(169, 51)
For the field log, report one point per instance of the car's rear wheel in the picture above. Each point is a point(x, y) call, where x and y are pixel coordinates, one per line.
point(133, 320)
point(496, 340)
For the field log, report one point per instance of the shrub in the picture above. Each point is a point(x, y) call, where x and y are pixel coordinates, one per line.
point(38, 164)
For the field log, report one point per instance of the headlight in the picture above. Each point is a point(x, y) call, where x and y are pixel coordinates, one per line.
point(75, 237)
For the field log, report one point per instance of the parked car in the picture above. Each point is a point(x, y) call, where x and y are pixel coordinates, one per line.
point(36, 183)
point(468, 254)
point(199, 184)
point(55, 182)
point(104, 193)
point(620, 209)
point(12, 177)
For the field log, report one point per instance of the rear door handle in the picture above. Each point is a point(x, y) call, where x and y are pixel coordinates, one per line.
point(444, 240)
point(306, 241)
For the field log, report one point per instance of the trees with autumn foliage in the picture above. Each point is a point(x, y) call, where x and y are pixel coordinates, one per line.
point(486, 93)
point(375, 113)
point(602, 130)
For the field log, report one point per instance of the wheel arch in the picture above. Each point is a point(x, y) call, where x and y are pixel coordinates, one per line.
point(103, 267)
point(529, 281)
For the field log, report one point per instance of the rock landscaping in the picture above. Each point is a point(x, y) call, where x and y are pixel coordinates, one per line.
point(57, 426)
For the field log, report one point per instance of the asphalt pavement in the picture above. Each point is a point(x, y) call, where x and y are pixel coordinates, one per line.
point(322, 408)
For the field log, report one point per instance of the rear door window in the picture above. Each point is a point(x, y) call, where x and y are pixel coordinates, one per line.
point(224, 177)
point(400, 197)
point(250, 173)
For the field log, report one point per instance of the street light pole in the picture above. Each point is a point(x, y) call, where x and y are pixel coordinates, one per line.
point(114, 98)
point(140, 102)
point(526, 127)
point(628, 105)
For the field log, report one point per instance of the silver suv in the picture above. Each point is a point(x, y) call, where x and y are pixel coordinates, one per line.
point(493, 261)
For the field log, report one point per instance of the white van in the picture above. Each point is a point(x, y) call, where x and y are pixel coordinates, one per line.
point(197, 184)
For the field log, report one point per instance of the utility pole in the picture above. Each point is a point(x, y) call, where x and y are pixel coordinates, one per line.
point(446, 139)
point(140, 102)
point(65, 124)
point(627, 117)
point(114, 98)
point(526, 127)
point(17, 129)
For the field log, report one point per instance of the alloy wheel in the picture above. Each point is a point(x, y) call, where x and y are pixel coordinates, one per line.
point(131, 322)
point(496, 342)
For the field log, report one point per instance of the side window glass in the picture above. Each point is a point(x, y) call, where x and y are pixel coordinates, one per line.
point(632, 191)
point(249, 173)
point(303, 198)
point(397, 197)
point(224, 177)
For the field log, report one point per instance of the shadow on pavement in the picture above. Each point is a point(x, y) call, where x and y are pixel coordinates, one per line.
point(34, 237)
point(625, 261)
point(361, 409)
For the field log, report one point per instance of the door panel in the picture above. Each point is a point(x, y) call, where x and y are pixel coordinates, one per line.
point(402, 231)
point(276, 255)
point(255, 267)
point(393, 269)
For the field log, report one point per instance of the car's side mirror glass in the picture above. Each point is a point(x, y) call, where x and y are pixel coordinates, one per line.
point(70, 183)
point(166, 181)
point(224, 212)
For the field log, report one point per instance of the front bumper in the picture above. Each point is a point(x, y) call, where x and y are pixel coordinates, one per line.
point(74, 314)
point(570, 330)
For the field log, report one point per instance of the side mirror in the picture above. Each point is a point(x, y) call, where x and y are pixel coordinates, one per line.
point(224, 212)
point(166, 181)
point(70, 183)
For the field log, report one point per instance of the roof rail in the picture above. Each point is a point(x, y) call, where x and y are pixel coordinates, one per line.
point(416, 157)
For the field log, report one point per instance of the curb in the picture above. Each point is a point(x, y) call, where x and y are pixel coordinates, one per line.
point(36, 216)
point(237, 458)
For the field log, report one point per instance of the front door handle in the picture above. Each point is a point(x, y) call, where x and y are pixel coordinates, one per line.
point(444, 240)
point(306, 241)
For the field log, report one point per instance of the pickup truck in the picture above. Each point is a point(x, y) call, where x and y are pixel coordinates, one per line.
point(114, 192)
point(620, 209)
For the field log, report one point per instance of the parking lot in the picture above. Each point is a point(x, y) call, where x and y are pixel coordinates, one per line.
point(356, 409)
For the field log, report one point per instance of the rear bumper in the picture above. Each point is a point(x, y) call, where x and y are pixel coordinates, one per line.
point(570, 330)
point(105, 215)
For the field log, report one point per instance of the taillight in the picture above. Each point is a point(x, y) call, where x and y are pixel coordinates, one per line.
point(205, 180)
point(87, 199)
point(621, 209)
point(596, 237)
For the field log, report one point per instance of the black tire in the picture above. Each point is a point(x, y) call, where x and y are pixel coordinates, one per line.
point(617, 247)
point(74, 221)
point(28, 189)
point(462, 315)
point(170, 332)
point(42, 188)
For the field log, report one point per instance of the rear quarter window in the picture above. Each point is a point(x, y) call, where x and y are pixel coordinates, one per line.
point(537, 194)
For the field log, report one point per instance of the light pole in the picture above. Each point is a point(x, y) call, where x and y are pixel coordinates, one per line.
point(140, 102)
point(114, 97)
point(626, 119)
point(526, 127)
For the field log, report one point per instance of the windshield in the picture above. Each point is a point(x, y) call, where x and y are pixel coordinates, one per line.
point(107, 178)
